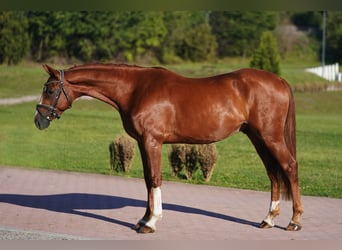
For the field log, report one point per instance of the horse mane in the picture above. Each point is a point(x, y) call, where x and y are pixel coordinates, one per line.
point(113, 65)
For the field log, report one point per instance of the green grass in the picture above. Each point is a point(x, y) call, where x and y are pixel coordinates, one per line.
point(76, 142)
point(21, 80)
point(79, 142)
point(319, 154)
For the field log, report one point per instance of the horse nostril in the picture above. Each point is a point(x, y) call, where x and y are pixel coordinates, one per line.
point(41, 123)
point(37, 123)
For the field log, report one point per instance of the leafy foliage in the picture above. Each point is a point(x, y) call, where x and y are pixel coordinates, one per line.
point(237, 32)
point(160, 36)
point(334, 37)
point(189, 37)
point(191, 157)
point(199, 44)
point(207, 156)
point(308, 19)
point(295, 43)
point(121, 152)
point(266, 56)
point(14, 39)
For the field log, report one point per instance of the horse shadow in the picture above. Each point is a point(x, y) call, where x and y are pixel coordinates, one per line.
point(72, 203)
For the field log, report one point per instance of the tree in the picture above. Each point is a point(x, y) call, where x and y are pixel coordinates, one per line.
point(198, 45)
point(266, 56)
point(48, 31)
point(307, 20)
point(138, 33)
point(176, 23)
point(189, 37)
point(237, 32)
point(14, 39)
point(295, 43)
point(88, 35)
point(334, 37)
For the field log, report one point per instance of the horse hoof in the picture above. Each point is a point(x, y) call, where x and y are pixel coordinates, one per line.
point(137, 226)
point(294, 227)
point(265, 225)
point(144, 229)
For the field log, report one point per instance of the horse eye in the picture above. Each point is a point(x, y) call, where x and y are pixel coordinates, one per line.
point(50, 91)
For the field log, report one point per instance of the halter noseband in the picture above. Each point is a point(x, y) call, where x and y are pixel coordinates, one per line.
point(52, 110)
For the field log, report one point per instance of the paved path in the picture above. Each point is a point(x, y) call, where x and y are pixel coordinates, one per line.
point(45, 204)
point(18, 100)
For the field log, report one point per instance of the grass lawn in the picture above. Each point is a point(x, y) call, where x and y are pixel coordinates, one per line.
point(79, 141)
point(21, 80)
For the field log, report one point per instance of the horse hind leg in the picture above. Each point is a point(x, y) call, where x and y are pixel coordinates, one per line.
point(270, 163)
point(292, 172)
point(289, 174)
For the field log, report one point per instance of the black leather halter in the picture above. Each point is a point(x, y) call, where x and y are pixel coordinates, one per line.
point(50, 112)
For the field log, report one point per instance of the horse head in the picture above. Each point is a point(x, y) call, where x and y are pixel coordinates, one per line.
point(54, 99)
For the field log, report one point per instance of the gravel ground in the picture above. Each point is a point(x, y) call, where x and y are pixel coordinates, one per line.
point(18, 234)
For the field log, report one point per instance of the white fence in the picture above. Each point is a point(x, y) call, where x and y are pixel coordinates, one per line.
point(328, 72)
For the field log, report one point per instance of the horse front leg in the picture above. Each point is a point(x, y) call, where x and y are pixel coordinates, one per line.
point(150, 151)
point(274, 209)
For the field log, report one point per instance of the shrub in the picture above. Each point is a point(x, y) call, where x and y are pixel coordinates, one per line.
point(191, 157)
point(177, 158)
point(190, 161)
point(266, 56)
point(121, 153)
point(207, 156)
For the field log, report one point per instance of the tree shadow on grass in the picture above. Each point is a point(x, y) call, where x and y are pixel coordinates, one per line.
point(72, 203)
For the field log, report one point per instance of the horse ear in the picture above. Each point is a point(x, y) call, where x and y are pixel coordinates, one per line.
point(51, 71)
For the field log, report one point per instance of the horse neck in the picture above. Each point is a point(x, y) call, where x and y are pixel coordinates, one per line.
point(111, 85)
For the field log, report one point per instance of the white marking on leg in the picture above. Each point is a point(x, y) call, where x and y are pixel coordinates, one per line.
point(270, 216)
point(274, 205)
point(157, 208)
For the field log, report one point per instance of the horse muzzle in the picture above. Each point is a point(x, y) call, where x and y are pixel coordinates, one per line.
point(41, 122)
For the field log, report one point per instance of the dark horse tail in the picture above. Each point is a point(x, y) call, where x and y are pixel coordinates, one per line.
point(290, 140)
point(290, 126)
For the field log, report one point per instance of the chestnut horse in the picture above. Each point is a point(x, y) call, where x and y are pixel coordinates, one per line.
point(158, 106)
